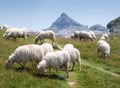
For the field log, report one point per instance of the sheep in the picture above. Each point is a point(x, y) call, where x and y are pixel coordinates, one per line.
point(30, 52)
point(15, 33)
point(85, 35)
point(104, 48)
point(76, 34)
point(45, 35)
point(92, 34)
point(68, 46)
point(74, 55)
point(104, 36)
point(47, 48)
point(55, 60)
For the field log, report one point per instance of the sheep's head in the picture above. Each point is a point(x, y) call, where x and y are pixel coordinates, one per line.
point(106, 55)
point(41, 68)
point(10, 61)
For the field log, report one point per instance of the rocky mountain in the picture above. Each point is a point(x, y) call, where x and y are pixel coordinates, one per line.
point(114, 25)
point(65, 21)
point(65, 26)
point(97, 27)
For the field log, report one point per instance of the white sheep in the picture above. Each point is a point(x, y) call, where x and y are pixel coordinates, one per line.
point(55, 60)
point(104, 48)
point(76, 34)
point(45, 35)
point(104, 36)
point(47, 48)
point(85, 35)
point(93, 34)
point(15, 33)
point(30, 52)
point(74, 55)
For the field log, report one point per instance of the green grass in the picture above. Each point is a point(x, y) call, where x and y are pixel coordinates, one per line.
point(88, 77)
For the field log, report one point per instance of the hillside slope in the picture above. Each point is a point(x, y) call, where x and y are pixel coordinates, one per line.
point(115, 24)
point(95, 72)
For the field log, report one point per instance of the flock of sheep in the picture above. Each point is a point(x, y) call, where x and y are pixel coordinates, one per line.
point(45, 56)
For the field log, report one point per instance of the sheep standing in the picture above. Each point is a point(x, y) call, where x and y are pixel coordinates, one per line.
point(55, 60)
point(104, 48)
point(74, 55)
point(30, 52)
point(47, 48)
point(93, 34)
point(104, 36)
point(45, 35)
point(15, 33)
point(76, 34)
point(85, 35)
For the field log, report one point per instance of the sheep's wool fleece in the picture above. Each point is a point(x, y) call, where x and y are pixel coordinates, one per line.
point(28, 52)
point(57, 58)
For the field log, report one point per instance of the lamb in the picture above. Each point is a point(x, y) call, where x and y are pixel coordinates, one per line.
point(15, 33)
point(45, 35)
point(30, 52)
point(74, 55)
point(85, 35)
point(104, 48)
point(55, 60)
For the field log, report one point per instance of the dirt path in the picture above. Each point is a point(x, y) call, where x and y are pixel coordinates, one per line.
point(99, 68)
point(72, 81)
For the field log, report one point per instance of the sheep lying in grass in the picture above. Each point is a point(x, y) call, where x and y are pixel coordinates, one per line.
point(74, 55)
point(15, 33)
point(55, 60)
point(104, 48)
point(45, 35)
point(30, 52)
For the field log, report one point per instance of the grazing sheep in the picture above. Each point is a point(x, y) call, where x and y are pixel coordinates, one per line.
point(55, 60)
point(47, 48)
point(104, 36)
point(92, 34)
point(76, 34)
point(85, 35)
point(15, 33)
point(104, 48)
point(69, 46)
point(45, 35)
point(30, 52)
point(74, 55)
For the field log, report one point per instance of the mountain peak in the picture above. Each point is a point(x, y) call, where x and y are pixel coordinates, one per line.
point(64, 21)
point(64, 14)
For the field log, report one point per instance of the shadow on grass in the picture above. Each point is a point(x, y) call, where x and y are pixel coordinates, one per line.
point(33, 72)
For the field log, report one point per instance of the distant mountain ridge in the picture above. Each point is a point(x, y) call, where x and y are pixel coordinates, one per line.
point(64, 21)
point(65, 26)
point(114, 23)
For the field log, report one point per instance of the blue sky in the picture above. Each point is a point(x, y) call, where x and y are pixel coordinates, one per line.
point(40, 14)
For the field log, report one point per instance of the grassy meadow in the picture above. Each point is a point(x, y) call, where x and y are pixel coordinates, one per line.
point(95, 73)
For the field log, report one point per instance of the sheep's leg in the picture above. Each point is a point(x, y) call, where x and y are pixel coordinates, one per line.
point(79, 64)
point(73, 66)
point(66, 72)
point(22, 65)
point(57, 73)
point(49, 71)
